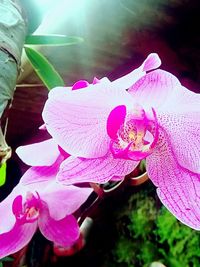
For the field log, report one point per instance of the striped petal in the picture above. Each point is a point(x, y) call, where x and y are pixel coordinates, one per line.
point(100, 170)
point(155, 89)
point(178, 188)
point(77, 120)
point(41, 174)
point(184, 132)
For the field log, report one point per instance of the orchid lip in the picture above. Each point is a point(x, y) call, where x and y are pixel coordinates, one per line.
point(127, 154)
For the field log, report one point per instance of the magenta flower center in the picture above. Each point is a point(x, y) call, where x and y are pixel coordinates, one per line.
point(27, 211)
point(136, 136)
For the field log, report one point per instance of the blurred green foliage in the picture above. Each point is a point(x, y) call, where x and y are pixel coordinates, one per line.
point(147, 232)
point(3, 174)
point(6, 259)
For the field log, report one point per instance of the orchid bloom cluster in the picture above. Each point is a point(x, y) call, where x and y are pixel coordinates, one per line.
point(39, 201)
point(100, 132)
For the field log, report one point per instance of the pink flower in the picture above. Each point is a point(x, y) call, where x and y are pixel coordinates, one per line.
point(47, 205)
point(77, 121)
point(107, 130)
point(28, 209)
point(39, 201)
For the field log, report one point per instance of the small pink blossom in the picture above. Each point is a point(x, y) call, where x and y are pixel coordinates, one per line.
point(108, 130)
point(47, 205)
point(39, 201)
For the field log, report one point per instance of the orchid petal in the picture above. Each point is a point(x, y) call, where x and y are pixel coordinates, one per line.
point(187, 100)
point(59, 91)
point(184, 132)
point(100, 170)
point(18, 237)
point(151, 62)
point(77, 121)
point(63, 232)
point(178, 188)
point(182, 100)
point(7, 219)
point(64, 200)
point(41, 174)
point(155, 89)
point(184, 113)
point(39, 154)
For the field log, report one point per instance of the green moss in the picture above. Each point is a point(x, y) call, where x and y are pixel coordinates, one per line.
point(123, 249)
point(147, 232)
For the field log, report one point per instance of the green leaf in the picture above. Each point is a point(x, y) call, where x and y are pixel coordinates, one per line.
point(7, 259)
point(52, 39)
point(44, 69)
point(3, 174)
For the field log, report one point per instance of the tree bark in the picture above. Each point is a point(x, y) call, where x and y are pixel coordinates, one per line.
point(12, 35)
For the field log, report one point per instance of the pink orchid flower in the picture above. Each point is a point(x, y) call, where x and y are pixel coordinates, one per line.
point(93, 105)
point(47, 205)
point(108, 130)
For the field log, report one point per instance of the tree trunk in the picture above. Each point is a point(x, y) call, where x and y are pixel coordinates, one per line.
point(12, 35)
